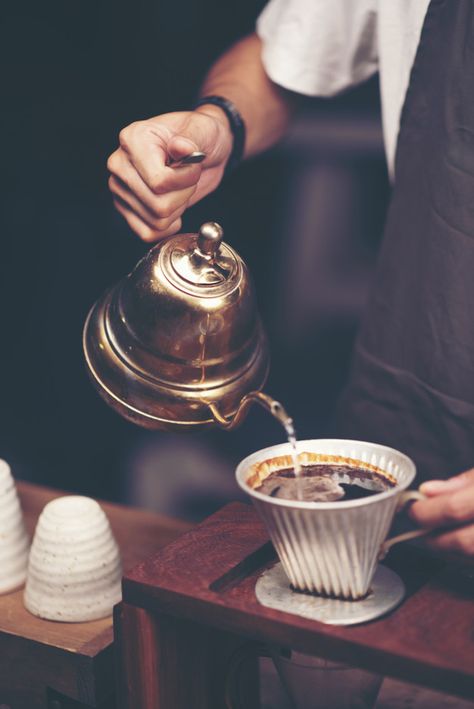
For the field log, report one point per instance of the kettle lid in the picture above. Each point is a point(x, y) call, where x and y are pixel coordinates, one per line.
point(200, 263)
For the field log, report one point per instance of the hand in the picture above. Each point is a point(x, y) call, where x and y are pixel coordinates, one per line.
point(149, 193)
point(450, 502)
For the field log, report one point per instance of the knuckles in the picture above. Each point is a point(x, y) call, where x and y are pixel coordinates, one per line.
point(126, 134)
point(164, 208)
point(174, 227)
point(147, 231)
point(157, 185)
point(130, 132)
point(164, 224)
point(112, 162)
point(148, 234)
point(117, 183)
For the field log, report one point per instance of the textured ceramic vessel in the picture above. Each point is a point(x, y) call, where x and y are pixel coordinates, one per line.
point(14, 542)
point(329, 548)
point(74, 569)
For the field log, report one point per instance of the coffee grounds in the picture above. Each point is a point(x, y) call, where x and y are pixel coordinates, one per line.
point(324, 483)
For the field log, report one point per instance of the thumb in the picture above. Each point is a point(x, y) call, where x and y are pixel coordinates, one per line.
point(204, 133)
point(179, 146)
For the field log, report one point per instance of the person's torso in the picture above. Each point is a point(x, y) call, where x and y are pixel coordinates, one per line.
point(322, 47)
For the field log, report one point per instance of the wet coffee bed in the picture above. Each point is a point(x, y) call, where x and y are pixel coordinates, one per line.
point(324, 483)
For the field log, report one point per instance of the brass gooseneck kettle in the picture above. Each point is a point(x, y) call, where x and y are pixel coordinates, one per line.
point(178, 343)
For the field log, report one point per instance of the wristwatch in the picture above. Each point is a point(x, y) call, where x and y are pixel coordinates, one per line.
point(236, 123)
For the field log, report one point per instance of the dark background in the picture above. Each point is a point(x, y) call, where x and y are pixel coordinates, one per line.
point(307, 218)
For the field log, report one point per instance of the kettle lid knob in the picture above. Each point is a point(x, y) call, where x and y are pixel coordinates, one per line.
point(209, 238)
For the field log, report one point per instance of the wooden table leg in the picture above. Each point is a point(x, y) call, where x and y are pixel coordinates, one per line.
point(169, 663)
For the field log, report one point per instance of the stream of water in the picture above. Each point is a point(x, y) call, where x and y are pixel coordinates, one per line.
point(290, 432)
point(287, 422)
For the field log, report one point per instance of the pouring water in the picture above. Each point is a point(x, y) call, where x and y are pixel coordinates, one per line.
point(278, 411)
point(287, 422)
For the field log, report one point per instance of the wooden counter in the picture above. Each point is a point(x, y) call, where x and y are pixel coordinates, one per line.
point(62, 665)
point(199, 592)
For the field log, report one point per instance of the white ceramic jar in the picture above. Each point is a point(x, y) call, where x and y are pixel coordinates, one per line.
point(74, 570)
point(14, 542)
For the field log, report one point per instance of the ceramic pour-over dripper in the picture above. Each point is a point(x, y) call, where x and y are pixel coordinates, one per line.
point(329, 548)
point(74, 570)
point(14, 542)
point(178, 343)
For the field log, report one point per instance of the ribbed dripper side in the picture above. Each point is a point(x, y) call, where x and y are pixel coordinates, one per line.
point(331, 553)
point(331, 548)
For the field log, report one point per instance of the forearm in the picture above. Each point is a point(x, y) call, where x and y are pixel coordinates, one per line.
point(239, 76)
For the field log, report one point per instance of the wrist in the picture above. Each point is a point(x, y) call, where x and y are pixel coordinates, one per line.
point(220, 119)
point(208, 109)
point(223, 110)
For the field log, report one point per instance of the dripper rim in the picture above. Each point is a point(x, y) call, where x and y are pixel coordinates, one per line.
point(244, 469)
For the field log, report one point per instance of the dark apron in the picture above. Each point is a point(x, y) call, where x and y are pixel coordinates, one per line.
point(412, 380)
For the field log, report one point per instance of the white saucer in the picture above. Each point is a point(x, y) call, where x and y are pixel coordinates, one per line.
point(387, 591)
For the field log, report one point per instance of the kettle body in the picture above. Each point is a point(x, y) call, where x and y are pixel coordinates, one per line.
point(178, 344)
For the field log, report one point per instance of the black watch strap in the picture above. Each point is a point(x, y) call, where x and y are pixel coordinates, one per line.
point(236, 123)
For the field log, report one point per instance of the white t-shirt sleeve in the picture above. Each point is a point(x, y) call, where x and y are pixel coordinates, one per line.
point(319, 47)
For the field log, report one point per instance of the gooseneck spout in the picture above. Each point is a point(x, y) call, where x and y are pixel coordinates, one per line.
point(271, 405)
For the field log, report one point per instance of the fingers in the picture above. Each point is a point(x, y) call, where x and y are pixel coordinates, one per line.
point(146, 147)
point(460, 541)
point(449, 504)
point(156, 212)
point(142, 228)
point(150, 193)
point(439, 487)
point(445, 510)
point(121, 167)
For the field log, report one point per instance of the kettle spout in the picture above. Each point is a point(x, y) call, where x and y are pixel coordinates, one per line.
point(271, 405)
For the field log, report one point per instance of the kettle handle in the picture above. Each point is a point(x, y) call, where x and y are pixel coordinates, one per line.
point(191, 159)
point(258, 397)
